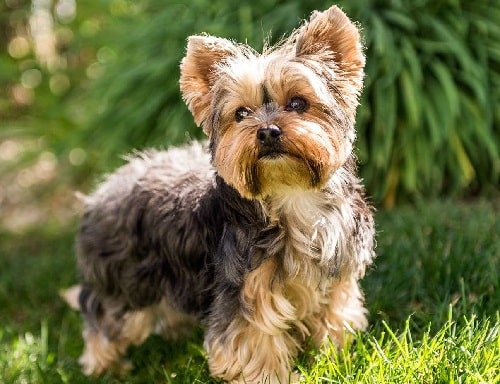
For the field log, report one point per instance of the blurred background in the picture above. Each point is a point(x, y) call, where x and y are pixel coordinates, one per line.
point(83, 83)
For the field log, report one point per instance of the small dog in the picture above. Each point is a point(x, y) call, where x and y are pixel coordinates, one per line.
point(263, 237)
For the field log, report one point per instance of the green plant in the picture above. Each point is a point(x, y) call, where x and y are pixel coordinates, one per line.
point(429, 113)
point(428, 123)
point(429, 118)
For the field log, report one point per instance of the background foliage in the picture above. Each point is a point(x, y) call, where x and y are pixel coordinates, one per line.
point(428, 124)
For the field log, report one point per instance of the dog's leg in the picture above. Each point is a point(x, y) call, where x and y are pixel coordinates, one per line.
point(344, 314)
point(245, 354)
point(259, 343)
point(103, 352)
point(171, 323)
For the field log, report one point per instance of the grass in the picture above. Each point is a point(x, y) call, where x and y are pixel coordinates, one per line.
point(433, 298)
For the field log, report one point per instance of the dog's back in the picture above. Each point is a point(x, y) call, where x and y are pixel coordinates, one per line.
point(144, 229)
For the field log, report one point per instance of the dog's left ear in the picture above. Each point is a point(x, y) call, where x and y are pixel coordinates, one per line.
point(199, 72)
point(331, 31)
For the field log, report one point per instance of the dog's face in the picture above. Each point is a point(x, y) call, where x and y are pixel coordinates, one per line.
point(283, 119)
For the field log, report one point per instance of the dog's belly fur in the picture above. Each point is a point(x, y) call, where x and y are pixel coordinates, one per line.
point(164, 242)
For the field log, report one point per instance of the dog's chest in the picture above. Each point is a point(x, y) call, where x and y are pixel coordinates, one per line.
point(294, 283)
point(315, 234)
point(310, 242)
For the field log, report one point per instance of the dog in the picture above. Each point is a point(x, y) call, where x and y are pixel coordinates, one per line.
point(260, 234)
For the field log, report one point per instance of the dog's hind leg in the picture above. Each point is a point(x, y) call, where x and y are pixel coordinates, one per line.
point(108, 336)
point(103, 352)
point(108, 333)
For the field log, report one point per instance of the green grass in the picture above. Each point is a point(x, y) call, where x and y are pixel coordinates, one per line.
point(433, 297)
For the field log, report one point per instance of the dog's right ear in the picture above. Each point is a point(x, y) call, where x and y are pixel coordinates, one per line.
point(199, 72)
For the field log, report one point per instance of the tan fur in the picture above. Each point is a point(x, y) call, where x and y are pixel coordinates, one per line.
point(197, 73)
point(285, 72)
point(305, 136)
point(245, 354)
point(341, 315)
point(101, 354)
point(171, 323)
point(279, 315)
point(330, 28)
point(70, 296)
point(334, 29)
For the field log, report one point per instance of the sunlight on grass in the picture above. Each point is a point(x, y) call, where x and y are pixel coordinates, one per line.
point(466, 353)
point(25, 359)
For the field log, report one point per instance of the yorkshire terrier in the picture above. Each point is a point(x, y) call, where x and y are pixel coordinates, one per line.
point(262, 237)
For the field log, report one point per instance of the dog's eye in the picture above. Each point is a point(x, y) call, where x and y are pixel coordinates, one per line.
point(241, 113)
point(297, 104)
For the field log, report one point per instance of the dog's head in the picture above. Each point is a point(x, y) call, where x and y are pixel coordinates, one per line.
point(283, 119)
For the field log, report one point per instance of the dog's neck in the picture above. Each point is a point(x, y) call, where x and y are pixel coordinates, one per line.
point(316, 225)
point(306, 229)
point(305, 207)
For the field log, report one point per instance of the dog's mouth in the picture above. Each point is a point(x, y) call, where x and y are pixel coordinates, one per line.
point(276, 151)
point(271, 153)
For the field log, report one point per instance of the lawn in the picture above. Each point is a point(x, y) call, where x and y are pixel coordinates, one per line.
point(433, 296)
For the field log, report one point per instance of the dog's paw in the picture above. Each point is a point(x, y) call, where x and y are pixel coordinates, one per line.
point(94, 367)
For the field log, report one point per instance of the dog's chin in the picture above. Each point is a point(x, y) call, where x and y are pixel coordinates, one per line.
point(274, 154)
point(271, 155)
point(279, 172)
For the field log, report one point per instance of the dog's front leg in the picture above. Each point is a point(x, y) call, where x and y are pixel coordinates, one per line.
point(342, 315)
point(246, 354)
point(259, 343)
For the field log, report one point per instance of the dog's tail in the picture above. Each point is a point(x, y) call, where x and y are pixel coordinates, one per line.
point(70, 295)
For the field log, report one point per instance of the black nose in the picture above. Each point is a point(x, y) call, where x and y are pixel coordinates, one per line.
point(268, 136)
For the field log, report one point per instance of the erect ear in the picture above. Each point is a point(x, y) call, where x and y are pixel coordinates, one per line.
point(199, 72)
point(332, 31)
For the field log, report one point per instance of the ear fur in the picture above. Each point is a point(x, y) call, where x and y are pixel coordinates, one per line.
point(331, 30)
point(198, 69)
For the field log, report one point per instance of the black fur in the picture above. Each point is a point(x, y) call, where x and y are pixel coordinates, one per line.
point(189, 241)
